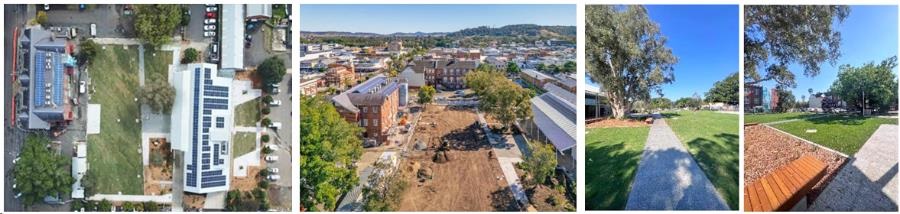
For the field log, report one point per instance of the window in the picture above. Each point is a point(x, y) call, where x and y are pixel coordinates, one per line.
point(375, 122)
point(365, 122)
point(365, 109)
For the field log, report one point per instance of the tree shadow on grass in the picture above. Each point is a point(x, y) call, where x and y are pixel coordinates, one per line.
point(850, 120)
point(610, 170)
point(668, 115)
point(719, 160)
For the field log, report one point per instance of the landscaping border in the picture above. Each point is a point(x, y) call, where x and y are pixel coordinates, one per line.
point(807, 141)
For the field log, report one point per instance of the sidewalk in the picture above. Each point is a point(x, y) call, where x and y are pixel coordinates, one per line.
point(668, 178)
point(869, 181)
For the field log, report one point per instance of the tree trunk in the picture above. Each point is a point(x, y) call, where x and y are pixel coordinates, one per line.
point(619, 106)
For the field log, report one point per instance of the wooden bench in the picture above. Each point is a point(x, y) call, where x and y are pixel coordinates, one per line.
point(783, 188)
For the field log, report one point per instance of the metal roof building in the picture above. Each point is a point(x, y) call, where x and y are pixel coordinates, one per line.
point(46, 79)
point(554, 115)
point(201, 127)
point(232, 24)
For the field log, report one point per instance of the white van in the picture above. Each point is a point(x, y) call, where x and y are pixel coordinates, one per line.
point(93, 30)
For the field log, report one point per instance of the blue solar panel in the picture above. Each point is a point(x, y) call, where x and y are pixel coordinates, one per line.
point(39, 59)
point(57, 79)
point(213, 184)
point(216, 154)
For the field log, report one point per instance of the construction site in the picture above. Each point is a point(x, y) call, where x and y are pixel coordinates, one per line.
point(452, 166)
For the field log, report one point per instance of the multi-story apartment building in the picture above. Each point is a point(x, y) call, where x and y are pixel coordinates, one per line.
point(445, 74)
point(372, 105)
point(339, 75)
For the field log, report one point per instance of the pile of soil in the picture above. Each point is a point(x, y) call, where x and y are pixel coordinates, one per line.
point(766, 149)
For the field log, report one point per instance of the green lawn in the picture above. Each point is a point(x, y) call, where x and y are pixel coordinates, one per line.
point(113, 154)
point(157, 65)
point(243, 143)
point(768, 118)
point(247, 114)
point(845, 134)
point(612, 159)
point(712, 139)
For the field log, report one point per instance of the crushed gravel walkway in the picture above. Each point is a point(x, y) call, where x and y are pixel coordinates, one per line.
point(668, 178)
point(869, 181)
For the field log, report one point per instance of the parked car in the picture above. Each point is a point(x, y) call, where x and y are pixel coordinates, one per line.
point(209, 27)
point(275, 102)
point(273, 170)
point(271, 158)
point(210, 15)
point(274, 177)
point(275, 125)
point(82, 88)
point(276, 90)
point(272, 147)
point(212, 9)
point(209, 34)
point(47, 7)
point(93, 30)
point(209, 21)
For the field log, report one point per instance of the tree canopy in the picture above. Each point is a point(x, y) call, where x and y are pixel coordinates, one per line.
point(40, 172)
point(513, 68)
point(158, 94)
point(725, 91)
point(155, 23)
point(868, 86)
point(426, 94)
point(329, 146)
point(541, 164)
point(87, 49)
point(190, 55)
point(500, 97)
point(660, 103)
point(271, 71)
point(778, 35)
point(627, 54)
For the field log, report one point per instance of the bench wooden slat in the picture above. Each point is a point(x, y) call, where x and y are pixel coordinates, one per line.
point(763, 199)
point(781, 189)
point(781, 186)
point(791, 176)
point(775, 189)
point(769, 193)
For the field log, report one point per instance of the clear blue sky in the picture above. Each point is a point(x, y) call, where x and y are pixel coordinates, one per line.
point(705, 38)
point(392, 18)
point(868, 34)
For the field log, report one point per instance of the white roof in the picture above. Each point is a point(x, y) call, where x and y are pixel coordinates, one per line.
point(93, 119)
point(259, 10)
point(556, 120)
point(536, 74)
point(232, 37)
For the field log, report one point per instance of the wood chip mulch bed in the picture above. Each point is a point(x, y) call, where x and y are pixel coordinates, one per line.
point(766, 149)
point(613, 123)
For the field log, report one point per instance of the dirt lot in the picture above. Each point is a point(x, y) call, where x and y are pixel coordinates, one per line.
point(160, 168)
point(766, 149)
point(469, 181)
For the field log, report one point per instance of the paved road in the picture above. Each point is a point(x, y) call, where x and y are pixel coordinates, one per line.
point(13, 16)
point(282, 113)
point(869, 181)
point(258, 52)
point(668, 178)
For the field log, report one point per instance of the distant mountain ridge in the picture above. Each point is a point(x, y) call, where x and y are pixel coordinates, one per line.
point(508, 30)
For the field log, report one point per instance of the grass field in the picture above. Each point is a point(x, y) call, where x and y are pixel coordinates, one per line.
point(113, 154)
point(845, 134)
point(612, 159)
point(247, 114)
point(243, 142)
point(157, 65)
point(712, 139)
point(768, 118)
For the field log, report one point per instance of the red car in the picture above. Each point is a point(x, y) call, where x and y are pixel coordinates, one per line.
point(211, 15)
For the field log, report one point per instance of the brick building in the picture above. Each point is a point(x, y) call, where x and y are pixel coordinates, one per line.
point(339, 75)
point(445, 74)
point(373, 105)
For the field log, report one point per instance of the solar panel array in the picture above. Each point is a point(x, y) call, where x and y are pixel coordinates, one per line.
point(39, 58)
point(57, 79)
point(214, 98)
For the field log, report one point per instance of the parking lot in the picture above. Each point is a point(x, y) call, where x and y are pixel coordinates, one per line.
point(110, 21)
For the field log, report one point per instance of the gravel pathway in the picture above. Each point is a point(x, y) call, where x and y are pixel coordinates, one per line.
point(668, 178)
point(869, 181)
